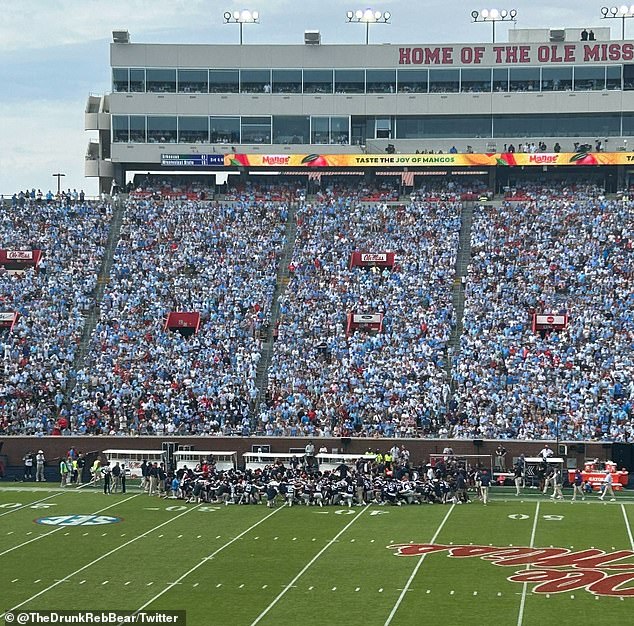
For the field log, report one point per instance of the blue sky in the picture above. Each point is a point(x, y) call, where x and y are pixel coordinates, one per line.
point(53, 53)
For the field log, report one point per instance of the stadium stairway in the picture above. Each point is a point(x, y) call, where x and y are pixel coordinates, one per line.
point(118, 209)
point(457, 296)
point(282, 280)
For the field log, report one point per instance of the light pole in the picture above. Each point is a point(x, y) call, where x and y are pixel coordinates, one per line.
point(367, 17)
point(618, 13)
point(59, 182)
point(241, 18)
point(493, 16)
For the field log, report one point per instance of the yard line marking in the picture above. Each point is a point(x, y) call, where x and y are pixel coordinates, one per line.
point(211, 556)
point(520, 617)
point(55, 530)
point(24, 506)
point(99, 558)
point(307, 566)
point(413, 575)
point(627, 525)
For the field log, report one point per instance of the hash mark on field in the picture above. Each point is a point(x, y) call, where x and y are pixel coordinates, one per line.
point(105, 582)
point(85, 534)
point(179, 536)
point(10, 532)
point(218, 536)
point(81, 582)
point(160, 536)
point(66, 534)
point(240, 587)
point(475, 593)
point(451, 592)
point(127, 582)
point(15, 580)
point(37, 581)
point(352, 540)
point(358, 589)
point(371, 540)
point(195, 584)
point(313, 539)
point(310, 588)
point(428, 591)
point(255, 538)
point(499, 593)
point(381, 590)
point(572, 597)
point(150, 583)
point(29, 533)
point(198, 536)
point(294, 538)
point(103, 534)
point(218, 585)
point(264, 586)
point(334, 589)
point(275, 538)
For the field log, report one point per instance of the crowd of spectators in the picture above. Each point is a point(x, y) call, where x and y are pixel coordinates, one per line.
point(51, 301)
point(325, 383)
point(561, 251)
point(219, 260)
point(552, 248)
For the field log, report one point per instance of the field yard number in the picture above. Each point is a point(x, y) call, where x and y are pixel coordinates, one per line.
point(15, 505)
point(550, 518)
point(345, 512)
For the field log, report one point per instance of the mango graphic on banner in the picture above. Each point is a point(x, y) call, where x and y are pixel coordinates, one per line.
point(498, 159)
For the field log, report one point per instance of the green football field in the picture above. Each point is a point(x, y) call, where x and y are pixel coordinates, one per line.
point(309, 565)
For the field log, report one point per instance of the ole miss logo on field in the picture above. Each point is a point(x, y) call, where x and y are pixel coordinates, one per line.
point(554, 570)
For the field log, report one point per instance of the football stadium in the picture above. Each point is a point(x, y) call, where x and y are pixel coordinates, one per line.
point(346, 336)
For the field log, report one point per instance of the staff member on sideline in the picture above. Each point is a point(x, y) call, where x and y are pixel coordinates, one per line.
point(607, 486)
point(485, 483)
point(518, 478)
point(577, 486)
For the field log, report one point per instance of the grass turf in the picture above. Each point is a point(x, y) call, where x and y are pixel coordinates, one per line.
point(307, 565)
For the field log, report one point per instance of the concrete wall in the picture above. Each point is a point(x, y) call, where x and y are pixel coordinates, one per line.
point(54, 447)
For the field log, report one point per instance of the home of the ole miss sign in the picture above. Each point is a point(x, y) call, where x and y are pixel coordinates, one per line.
point(509, 54)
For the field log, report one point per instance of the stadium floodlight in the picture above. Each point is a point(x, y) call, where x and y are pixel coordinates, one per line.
point(241, 18)
point(618, 13)
point(59, 177)
point(493, 16)
point(367, 17)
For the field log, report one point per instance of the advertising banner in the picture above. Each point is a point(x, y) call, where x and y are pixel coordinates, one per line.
point(498, 159)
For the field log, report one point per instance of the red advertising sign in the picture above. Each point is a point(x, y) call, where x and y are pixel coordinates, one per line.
point(372, 259)
point(185, 322)
point(549, 321)
point(20, 259)
point(364, 321)
point(8, 320)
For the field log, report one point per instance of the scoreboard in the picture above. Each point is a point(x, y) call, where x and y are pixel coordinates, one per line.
point(192, 160)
